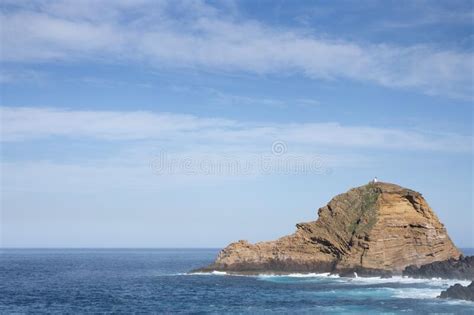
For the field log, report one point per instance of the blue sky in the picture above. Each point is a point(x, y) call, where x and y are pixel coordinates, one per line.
point(197, 123)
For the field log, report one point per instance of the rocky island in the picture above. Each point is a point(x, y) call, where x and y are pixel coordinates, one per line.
point(375, 229)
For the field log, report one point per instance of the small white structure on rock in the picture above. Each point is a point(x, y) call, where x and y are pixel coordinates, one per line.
point(374, 180)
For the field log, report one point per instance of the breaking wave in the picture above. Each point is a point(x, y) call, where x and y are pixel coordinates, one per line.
point(357, 280)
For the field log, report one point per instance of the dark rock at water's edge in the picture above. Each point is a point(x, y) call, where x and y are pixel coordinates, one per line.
point(364, 272)
point(272, 266)
point(459, 292)
point(462, 269)
point(284, 269)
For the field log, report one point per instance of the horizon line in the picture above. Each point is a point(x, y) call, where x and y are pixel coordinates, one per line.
point(167, 248)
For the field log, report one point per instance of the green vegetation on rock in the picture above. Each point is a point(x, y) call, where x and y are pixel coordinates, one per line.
point(366, 216)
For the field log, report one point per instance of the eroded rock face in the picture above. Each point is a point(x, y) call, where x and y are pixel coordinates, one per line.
point(378, 227)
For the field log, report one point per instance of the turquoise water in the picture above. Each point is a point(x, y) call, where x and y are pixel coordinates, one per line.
point(155, 280)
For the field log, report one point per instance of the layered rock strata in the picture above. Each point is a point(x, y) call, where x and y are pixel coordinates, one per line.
point(378, 228)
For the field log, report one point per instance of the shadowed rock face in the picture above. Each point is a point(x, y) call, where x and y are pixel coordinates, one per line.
point(375, 228)
point(462, 269)
point(459, 292)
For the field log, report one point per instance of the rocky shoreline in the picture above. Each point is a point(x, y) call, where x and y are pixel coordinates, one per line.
point(459, 292)
point(291, 268)
point(461, 269)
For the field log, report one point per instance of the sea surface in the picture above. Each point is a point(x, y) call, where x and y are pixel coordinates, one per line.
point(156, 280)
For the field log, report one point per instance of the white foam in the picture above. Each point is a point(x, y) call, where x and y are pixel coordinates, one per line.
point(457, 302)
point(298, 275)
point(412, 293)
point(436, 282)
point(370, 280)
point(219, 273)
point(208, 273)
point(426, 293)
point(407, 280)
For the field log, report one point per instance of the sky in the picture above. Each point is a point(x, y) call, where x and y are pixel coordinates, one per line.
point(199, 123)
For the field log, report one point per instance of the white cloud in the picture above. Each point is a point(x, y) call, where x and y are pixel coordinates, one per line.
point(30, 123)
point(19, 124)
point(202, 37)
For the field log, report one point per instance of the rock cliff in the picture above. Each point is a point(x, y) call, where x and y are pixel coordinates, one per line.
point(377, 228)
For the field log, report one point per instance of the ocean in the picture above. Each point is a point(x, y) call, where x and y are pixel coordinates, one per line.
point(156, 280)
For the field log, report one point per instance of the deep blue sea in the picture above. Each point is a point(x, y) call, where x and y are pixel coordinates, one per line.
point(156, 280)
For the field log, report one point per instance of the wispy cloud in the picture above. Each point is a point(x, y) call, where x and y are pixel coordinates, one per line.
point(203, 37)
point(22, 75)
point(31, 123)
point(239, 100)
point(20, 124)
